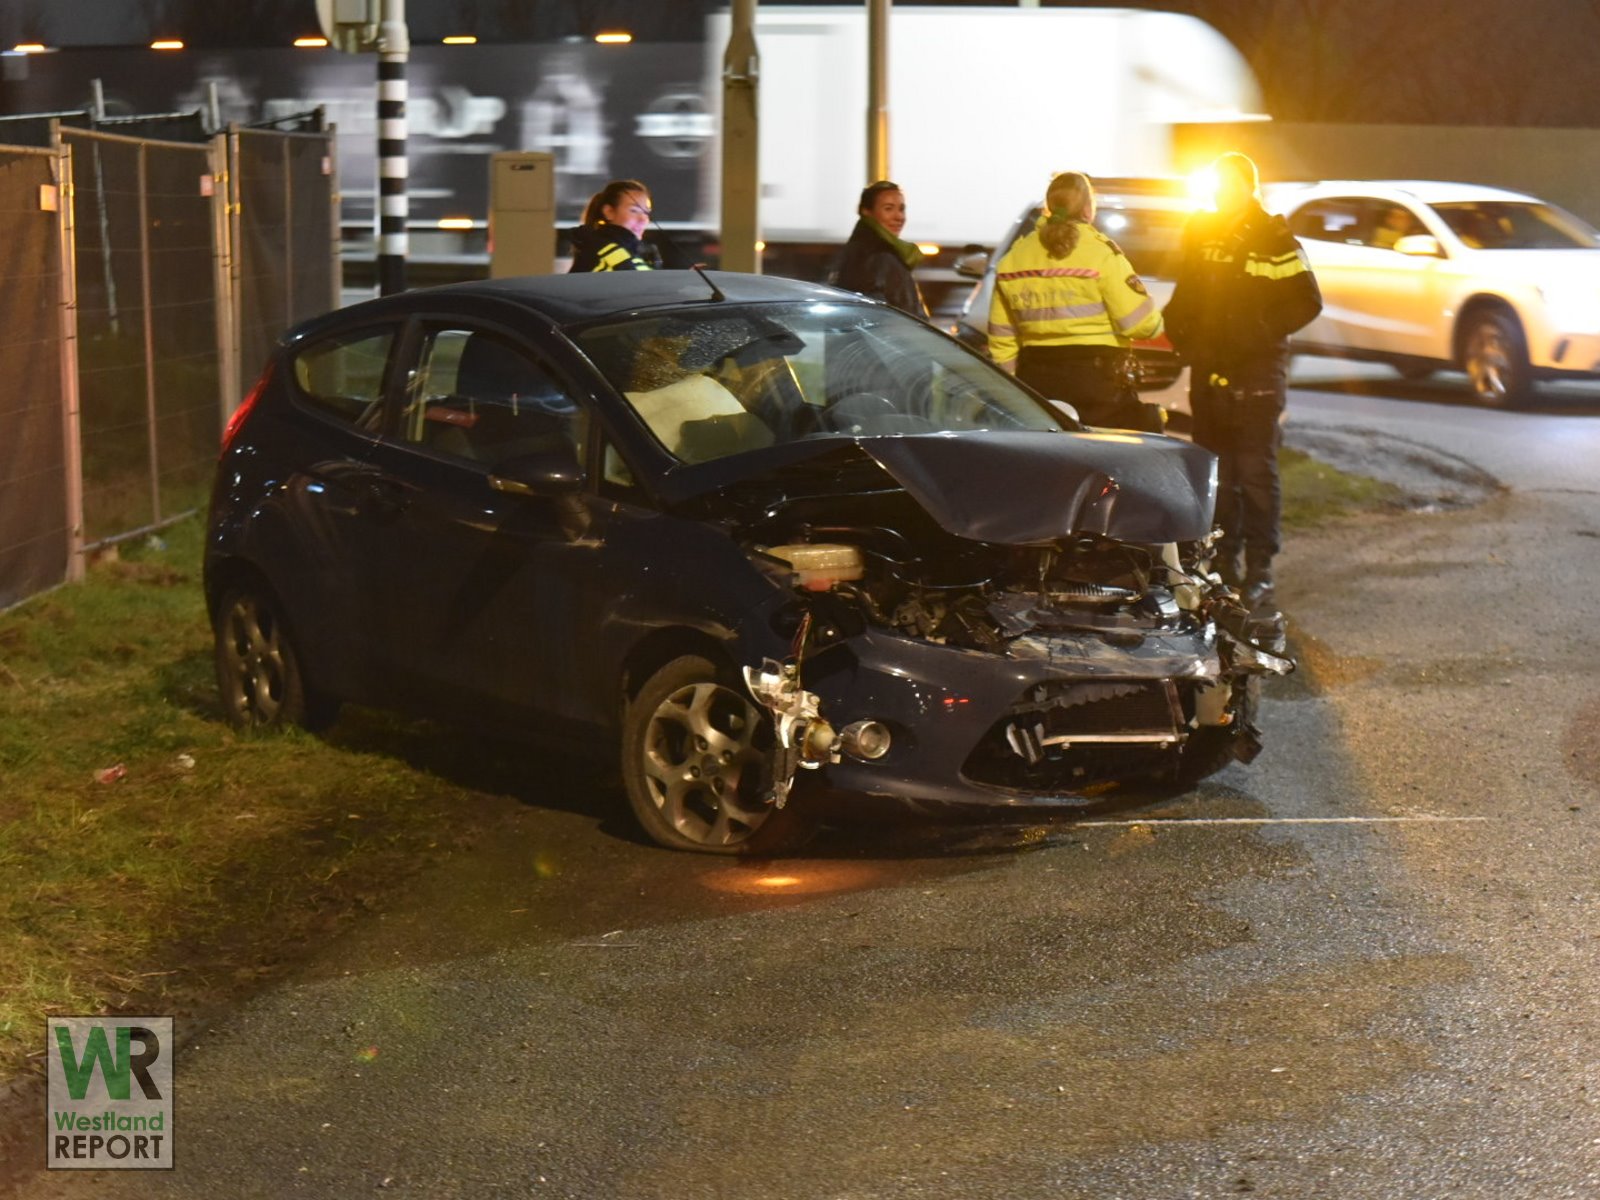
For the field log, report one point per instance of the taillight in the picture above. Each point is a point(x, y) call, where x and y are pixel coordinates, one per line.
point(243, 411)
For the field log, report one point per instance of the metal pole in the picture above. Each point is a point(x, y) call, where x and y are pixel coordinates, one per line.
point(149, 335)
point(222, 281)
point(71, 416)
point(236, 252)
point(394, 47)
point(290, 316)
point(877, 90)
point(330, 166)
point(741, 177)
point(105, 221)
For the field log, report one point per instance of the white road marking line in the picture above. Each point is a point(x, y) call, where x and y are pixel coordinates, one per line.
point(1277, 821)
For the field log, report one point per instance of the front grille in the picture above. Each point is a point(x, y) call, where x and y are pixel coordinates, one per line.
point(1064, 737)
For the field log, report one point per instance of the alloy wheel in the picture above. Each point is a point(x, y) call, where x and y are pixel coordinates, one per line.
point(254, 668)
point(702, 767)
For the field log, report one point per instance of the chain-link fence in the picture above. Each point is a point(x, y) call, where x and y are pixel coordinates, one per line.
point(149, 341)
point(142, 295)
point(36, 491)
point(285, 237)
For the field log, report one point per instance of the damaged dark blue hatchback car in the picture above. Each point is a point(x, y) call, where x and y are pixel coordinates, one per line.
point(767, 541)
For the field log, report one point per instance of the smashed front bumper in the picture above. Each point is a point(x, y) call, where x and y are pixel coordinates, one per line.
point(1054, 722)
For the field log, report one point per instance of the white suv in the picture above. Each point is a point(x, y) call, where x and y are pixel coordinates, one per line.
point(1427, 275)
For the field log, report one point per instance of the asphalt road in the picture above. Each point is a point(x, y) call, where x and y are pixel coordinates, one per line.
point(1363, 966)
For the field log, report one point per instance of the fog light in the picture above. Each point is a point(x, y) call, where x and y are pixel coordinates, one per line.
point(865, 739)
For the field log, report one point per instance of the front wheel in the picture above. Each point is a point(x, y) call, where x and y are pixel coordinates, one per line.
point(697, 761)
point(1494, 354)
point(259, 674)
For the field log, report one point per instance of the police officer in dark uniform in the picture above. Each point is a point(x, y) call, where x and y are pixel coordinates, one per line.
point(614, 221)
point(1243, 287)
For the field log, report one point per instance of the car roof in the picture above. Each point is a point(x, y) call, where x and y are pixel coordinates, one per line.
point(572, 299)
point(1428, 191)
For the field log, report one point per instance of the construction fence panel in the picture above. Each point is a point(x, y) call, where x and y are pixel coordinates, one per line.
point(184, 308)
point(285, 249)
point(148, 333)
point(36, 534)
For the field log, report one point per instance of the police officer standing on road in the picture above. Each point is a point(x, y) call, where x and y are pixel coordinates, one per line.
point(1243, 287)
point(1067, 304)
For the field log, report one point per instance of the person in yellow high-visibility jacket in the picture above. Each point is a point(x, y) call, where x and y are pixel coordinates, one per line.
point(1067, 305)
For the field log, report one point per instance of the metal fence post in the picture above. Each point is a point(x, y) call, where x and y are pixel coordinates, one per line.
point(288, 231)
point(331, 169)
point(149, 334)
point(236, 256)
point(222, 274)
point(72, 455)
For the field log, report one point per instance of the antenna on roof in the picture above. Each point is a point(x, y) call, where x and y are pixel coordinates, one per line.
point(698, 268)
point(716, 292)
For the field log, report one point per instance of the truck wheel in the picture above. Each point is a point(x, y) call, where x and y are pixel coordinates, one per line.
point(259, 676)
point(696, 761)
point(1494, 354)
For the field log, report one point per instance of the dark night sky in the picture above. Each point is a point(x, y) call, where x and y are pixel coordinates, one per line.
point(1462, 62)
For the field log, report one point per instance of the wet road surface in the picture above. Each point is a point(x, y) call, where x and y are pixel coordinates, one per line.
point(1363, 966)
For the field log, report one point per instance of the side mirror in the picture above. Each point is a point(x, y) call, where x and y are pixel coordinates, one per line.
point(1420, 245)
point(972, 262)
point(542, 473)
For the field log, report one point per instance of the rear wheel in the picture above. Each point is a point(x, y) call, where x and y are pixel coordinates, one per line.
point(1494, 354)
point(696, 763)
point(259, 676)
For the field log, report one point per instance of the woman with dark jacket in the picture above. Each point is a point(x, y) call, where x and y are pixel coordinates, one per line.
point(615, 220)
point(876, 261)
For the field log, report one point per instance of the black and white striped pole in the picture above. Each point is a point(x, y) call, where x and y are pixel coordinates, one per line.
point(360, 27)
point(394, 47)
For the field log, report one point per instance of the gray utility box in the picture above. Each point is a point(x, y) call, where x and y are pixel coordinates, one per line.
point(522, 213)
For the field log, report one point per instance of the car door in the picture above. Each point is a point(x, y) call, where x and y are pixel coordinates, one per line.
point(489, 597)
point(311, 536)
point(1332, 232)
point(1400, 296)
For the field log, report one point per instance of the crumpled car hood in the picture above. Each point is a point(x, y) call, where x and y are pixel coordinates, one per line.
point(1018, 487)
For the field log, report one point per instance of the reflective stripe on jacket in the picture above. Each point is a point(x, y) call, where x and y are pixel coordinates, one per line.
point(1092, 297)
point(605, 247)
point(612, 257)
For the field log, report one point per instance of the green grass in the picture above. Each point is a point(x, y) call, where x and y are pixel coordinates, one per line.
point(1314, 493)
point(175, 883)
point(180, 885)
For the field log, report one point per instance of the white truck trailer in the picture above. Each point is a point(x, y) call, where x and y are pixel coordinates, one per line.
point(984, 104)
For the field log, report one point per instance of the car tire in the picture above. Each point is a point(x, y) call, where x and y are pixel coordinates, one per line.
point(259, 675)
point(1494, 354)
point(696, 762)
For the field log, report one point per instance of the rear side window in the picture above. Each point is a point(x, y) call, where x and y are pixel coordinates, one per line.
point(342, 376)
point(1331, 221)
point(476, 396)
